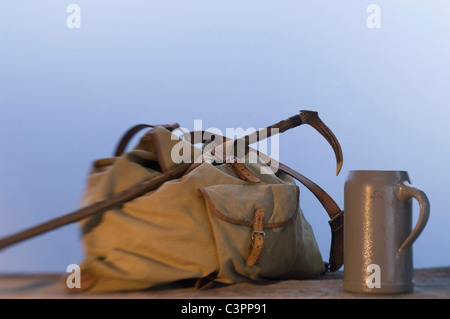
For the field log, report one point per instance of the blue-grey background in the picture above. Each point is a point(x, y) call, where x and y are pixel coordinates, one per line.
point(67, 96)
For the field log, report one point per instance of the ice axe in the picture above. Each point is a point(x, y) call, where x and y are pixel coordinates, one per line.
point(150, 184)
point(305, 117)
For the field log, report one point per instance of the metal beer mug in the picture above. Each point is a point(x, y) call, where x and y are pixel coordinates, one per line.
point(378, 233)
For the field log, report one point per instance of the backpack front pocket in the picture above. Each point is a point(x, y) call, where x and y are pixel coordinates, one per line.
point(260, 232)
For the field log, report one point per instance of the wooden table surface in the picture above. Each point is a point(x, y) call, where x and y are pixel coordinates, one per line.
point(429, 283)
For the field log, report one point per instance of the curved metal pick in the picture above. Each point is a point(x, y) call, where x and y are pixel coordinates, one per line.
point(312, 118)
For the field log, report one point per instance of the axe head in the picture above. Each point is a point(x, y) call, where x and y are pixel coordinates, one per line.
point(312, 118)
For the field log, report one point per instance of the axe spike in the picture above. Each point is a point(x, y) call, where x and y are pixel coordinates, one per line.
point(312, 118)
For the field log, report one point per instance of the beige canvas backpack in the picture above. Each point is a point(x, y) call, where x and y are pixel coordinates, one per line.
point(223, 222)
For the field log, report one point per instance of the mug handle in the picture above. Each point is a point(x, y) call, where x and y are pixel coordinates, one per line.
point(404, 192)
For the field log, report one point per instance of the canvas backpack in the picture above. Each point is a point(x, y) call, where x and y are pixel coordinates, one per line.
point(220, 222)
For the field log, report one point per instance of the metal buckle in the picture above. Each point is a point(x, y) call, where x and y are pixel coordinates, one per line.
point(258, 232)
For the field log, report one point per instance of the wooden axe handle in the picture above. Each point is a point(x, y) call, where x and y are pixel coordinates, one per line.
point(99, 206)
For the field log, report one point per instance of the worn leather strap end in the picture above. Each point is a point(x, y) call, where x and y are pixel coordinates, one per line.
point(337, 242)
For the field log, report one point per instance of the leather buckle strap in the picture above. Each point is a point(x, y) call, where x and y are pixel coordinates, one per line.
point(244, 173)
point(258, 236)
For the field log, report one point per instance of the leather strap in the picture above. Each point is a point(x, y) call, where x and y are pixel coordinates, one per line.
point(258, 236)
point(135, 129)
point(336, 222)
point(244, 173)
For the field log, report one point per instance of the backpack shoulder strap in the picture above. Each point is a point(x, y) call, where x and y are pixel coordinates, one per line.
point(135, 129)
point(336, 222)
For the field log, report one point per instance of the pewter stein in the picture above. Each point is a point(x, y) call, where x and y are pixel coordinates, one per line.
point(378, 233)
